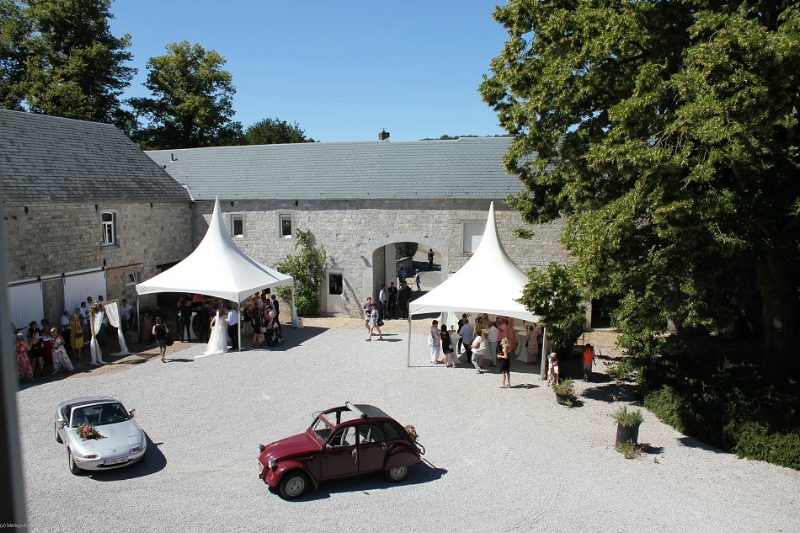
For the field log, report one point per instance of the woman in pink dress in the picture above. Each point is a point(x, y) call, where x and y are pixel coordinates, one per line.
point(24, 368)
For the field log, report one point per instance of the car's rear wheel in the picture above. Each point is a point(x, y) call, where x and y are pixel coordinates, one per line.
point(58, 437)
point(396, 474)
point(71, 462)
point(293, 485)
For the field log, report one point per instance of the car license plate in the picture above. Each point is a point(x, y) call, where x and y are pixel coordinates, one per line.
point(116, 461)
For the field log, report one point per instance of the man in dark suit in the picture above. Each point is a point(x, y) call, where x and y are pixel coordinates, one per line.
point(404, 297)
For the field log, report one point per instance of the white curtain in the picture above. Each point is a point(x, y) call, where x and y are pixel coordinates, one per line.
point(112, 312)
point(94, 347)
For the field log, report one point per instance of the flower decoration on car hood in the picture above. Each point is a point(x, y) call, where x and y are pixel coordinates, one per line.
point(88, 431)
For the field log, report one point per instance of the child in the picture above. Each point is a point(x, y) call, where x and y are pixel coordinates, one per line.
point(505, 364)
point(552, 370)
point(588, 362)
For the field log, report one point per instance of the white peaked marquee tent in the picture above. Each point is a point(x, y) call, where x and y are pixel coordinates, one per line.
point(217, 267)
point(489, 283)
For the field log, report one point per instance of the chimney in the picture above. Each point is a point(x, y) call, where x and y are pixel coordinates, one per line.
point(383, 135)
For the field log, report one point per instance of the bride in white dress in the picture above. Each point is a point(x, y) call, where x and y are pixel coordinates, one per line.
point(218, 340)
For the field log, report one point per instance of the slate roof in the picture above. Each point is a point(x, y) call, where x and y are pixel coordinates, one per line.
point(467, 168)
point(46, 159)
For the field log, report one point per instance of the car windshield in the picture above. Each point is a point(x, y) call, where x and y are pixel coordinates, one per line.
point(98, 415)
point(321, 429)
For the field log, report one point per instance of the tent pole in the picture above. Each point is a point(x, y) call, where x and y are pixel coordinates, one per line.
point(295, 319)
point(408, 362)
point(544, 354)
point(239, 324)
point(138, 320)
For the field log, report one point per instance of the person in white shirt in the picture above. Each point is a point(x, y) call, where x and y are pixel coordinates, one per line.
point(383, 297)
point(233, 327)
point(478, 349)
point(491, 340)
point(125, 314)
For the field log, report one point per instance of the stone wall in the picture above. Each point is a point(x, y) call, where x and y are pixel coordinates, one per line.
point(55, 239)
point(352, 231)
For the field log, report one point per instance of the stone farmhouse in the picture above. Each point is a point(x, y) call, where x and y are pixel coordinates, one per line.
point(360, 200)
point(86, 212)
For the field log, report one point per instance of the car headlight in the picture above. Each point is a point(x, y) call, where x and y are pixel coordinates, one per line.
point(272, 464)
point(91, 456)
point(136, 449)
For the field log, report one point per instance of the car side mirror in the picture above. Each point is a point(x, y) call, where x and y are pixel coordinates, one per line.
point(132, 412)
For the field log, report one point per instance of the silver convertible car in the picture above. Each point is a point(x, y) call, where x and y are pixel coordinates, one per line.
point(113, 440)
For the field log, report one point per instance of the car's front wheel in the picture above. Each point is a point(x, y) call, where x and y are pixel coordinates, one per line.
point(293, 485)
point(396, 474)
point(71, 462)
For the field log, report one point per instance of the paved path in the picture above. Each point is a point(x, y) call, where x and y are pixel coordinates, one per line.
point(498, 459)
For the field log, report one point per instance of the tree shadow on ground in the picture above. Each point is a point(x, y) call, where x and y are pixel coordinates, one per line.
point(423, 472)
point(612, 392)
point(650, 449)
point(295, 336)
point(691, 442)
point(154, 461)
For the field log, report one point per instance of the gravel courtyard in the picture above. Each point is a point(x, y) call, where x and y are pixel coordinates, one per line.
point(497, 459)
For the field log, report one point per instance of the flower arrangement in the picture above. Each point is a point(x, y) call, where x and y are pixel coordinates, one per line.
point(412, 432)
point(88, 431)
point(95, 308)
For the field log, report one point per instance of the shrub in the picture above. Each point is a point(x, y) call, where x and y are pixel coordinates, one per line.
point(629, 449)
point(754, 441)
point(308, 270)
point(629, 419)
point(621, 369)
point(564, 387)
point(721, 399)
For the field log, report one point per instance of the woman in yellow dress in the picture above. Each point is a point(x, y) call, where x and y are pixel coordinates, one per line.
point(76, 339)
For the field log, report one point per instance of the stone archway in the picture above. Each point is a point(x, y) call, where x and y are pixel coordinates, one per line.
point(382, 252)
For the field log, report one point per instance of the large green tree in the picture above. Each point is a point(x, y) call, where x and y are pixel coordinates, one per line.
point(15, 28)
point(192, 103)
point(275, 131)
point(59, 57)
point(667, 133)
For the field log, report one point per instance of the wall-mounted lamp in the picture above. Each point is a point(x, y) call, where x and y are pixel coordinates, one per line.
point(26, 209)
point(231, 204)
point(104, 262)
point(95, 208)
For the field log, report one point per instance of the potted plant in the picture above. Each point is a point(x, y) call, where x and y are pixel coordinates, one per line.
point(628, 423)
point(565, 394)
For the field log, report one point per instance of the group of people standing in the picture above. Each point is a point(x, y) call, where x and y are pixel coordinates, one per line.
point(492, 340)
point(220, 325)
point(40, 343)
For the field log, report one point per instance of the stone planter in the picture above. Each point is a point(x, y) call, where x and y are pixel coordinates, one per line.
point(562, 399)
point(626, 433)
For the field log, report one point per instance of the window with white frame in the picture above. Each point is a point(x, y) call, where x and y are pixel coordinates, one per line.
point(131, 279)
point(285, 226)
point(108, 221)
point(473, 233)
point(237, 224)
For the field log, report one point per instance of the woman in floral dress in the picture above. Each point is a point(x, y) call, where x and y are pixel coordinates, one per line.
point(60, 358)
point(24, 368)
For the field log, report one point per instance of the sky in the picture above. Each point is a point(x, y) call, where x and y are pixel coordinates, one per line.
point(343, 70)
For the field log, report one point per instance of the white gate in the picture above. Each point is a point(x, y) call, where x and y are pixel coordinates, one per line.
point(25, 303)
point(78, 287)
